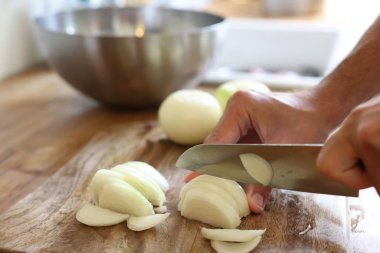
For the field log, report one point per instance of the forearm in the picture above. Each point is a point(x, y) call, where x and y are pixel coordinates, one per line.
point(355, 80)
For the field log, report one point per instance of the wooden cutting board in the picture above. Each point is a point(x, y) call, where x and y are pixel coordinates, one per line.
point(44, 220)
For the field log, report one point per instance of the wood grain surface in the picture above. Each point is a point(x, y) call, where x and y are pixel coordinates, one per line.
point(52, 142)
point(45, 219)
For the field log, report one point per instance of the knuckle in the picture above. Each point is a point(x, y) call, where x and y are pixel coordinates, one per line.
point(355, 115)
point(213, 137)
point(243, 99)
point(367, 134)
point(238, 102)
point(240, 97)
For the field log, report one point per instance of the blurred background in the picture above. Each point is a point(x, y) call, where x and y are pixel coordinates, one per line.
point(283, 43)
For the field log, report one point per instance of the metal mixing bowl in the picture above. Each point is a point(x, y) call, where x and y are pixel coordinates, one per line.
point(130, 57)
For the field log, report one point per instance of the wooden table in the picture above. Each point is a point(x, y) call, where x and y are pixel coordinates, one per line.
point(52, 140)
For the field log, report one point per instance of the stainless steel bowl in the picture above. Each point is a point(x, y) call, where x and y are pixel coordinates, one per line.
point(130, 57)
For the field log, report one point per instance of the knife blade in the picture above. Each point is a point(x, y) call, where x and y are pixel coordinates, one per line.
point(294, 166)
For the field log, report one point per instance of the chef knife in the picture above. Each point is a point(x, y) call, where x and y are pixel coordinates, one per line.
point(294, 166)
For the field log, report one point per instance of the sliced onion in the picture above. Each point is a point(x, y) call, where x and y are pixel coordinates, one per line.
point(148, 187)
point(146, 222)
point(98, 217)
point(235, 247)
point(257, 167)
point(123, 198)
point(207, 187)
point(229, 187)
point(151, 172)
point(209, 208)
point(100, 179)
point(231, 235)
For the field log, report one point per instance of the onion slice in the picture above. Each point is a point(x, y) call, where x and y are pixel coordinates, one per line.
point(96, 216)
point(229, 187)
point(160, 209)
point(146, 222)
point(151, 172)
point(231, 235)
point(235, 247)
point(101, 178)
point(210, 208)
point(209, 187)
point(124, 198)
point(257, 167)
point(141, 182)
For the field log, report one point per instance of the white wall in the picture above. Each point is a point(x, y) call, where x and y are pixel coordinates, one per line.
point(18, 49)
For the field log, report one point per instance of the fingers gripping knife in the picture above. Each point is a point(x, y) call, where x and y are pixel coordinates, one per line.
point(294, 166)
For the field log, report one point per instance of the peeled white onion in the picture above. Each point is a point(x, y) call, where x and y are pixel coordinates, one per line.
point(188, 116)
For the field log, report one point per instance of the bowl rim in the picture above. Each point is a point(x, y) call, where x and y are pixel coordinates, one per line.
point(199, 30)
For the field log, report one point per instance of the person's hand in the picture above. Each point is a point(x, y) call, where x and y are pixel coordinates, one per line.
point(252, 117)
point(351, 154)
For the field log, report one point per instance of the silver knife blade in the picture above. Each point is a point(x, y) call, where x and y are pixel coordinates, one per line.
point(294, 166)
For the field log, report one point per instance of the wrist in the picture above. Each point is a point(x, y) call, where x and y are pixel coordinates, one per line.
point(323, 108)
point(313, 115)
point(353, 82)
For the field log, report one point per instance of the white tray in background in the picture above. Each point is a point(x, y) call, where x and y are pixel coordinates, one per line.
point(271, 44)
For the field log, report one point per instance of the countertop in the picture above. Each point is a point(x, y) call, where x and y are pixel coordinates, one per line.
point(52, 141)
